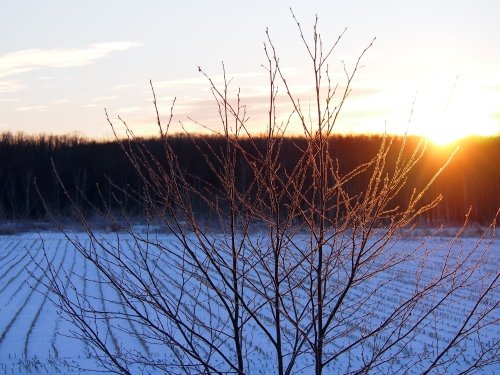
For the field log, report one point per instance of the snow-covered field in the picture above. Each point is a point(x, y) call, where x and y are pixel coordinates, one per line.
point(34, 338)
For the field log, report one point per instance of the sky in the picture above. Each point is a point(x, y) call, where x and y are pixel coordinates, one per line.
point(63, 62)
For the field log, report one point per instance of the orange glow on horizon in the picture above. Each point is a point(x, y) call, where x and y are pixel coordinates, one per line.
point(444, 130)
point(469, 112)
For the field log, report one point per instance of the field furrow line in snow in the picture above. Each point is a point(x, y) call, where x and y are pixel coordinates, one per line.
point(11, 266)
point(116, 293)
point(56, 333)
point(45, 297)
point(11, 246)
point(14, 318)
point(14, 278)
point(109, 332)
point(252, 284)
point(190, 308)
point(196, 303)
point(127, 315)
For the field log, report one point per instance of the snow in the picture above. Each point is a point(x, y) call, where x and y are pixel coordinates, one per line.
point(35, 338)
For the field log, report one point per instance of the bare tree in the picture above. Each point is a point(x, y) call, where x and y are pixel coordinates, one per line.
point(295, 269)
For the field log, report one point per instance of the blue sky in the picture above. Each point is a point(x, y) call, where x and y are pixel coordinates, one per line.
point(63, 62)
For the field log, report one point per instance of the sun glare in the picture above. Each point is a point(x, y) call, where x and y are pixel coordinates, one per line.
point(464, 116)
point(443, 130)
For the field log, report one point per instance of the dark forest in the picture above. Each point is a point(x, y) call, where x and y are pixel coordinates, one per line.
point(97, 175)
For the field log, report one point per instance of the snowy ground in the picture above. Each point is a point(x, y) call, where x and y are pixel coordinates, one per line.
point(35, 339)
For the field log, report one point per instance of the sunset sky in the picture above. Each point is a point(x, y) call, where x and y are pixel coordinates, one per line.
point(63, 62)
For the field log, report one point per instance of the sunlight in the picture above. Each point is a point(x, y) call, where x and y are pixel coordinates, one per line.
point(448, 128)
point(470, 112)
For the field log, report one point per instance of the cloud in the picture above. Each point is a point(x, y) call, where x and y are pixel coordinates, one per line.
point(32, 59)
point(9, 100)
point(60, 101)
point(36, 108)
point(11, 86)
point(104, 98)
point(202, 80)
point(129, 109)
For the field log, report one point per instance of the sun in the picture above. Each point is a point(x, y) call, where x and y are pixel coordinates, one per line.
point(465, 116)
point(441, 134)
point(450, 127)
point(443, 131)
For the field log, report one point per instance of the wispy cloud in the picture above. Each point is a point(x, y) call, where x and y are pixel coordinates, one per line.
point(33, 108)
point(202, 80)
point(9, 100)
point(91, 105)
point(60, 101)
point(31, 59)
point(129, 109)
point(11, 86)
point(46, 78)
point(104, 98)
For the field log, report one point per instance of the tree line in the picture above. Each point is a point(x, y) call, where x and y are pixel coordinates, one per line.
point(68, 171)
